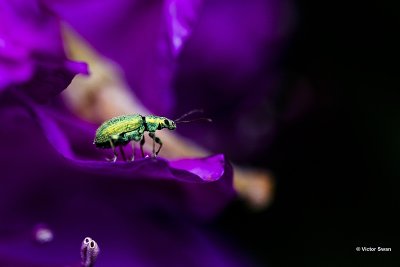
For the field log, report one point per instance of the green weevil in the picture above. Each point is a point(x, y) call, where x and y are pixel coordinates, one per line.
point(119, 131)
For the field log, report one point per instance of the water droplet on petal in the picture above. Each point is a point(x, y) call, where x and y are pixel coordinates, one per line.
point(43, 234)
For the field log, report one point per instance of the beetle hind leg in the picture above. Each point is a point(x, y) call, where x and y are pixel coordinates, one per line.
point(133, 151)
point(141, 146)
point(113, 159)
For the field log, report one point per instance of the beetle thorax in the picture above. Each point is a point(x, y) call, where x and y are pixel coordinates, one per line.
point(153, 123)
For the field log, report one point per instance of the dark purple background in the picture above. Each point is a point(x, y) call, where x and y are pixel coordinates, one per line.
point(337, 168)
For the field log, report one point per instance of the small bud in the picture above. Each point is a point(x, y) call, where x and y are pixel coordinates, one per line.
point(89, 252)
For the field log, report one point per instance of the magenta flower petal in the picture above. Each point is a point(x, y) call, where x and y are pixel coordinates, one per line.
point(181, 15)
point(70, 143)
point(208, 169)
point(143, 37)
point(31, 51)
point(141, 213)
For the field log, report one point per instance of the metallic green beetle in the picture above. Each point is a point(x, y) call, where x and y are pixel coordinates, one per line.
point(121, 130)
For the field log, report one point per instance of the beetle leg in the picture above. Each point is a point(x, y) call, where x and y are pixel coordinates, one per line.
point(153, 154)
point(133, 151)
point(115, 152)
point(121, 150)
point(141, 146)
point(158, 141)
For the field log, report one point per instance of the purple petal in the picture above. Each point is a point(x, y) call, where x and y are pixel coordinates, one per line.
point(141, 213)
point(31, 50)
point(208, 169)
point(143, 37)
point(67, 137)
point(181, 16)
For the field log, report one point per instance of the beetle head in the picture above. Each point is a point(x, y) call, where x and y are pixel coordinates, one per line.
point(167, 123)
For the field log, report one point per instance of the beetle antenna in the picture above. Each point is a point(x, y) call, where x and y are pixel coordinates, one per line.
point(198, 119)
point(188, 113)
point(180, 119)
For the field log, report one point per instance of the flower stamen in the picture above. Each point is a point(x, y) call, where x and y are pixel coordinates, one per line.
point(89, 252)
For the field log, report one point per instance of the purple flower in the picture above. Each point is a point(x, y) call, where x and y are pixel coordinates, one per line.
point(56, 184)
point(50, 174)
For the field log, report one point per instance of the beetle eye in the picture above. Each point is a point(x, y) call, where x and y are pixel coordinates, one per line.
point(166, 122)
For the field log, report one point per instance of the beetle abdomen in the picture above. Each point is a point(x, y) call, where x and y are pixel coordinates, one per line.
point(108, 145)
point(115, 129)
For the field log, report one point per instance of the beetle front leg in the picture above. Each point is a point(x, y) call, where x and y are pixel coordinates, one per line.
point(133, 136)
point(158, 141)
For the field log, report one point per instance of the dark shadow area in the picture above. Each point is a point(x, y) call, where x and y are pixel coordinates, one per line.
point(337, 168)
